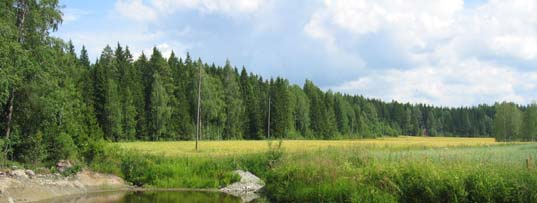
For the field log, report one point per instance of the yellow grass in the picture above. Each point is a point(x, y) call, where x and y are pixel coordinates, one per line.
point(226, 148)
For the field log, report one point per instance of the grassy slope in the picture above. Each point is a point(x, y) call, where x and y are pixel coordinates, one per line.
point(406, 169)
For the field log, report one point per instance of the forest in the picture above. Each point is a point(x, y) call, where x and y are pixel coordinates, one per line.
point(56, 103)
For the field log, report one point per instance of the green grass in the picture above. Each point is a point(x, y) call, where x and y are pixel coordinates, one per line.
point(411, 170)
point(464, 174)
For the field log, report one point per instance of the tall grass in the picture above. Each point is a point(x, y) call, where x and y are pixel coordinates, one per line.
point(151, 170)
point(478, 174)
point(415, 170)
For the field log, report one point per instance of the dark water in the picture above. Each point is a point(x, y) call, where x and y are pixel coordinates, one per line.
point(148, 197)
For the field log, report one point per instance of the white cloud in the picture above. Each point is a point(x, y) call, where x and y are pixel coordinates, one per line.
point(72, 14)
point(505, 28)
point(136, 10)
point(444, 40)
point(413, 22)
point(209, 6)
point(466, 83)
point(151, 11)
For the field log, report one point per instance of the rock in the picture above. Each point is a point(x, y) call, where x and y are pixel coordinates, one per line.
point(62, 165)
point(10, 200)
point(19, 173)
point(246, 188)
point(30, 173)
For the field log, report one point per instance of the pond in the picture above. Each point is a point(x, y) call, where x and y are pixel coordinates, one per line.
point(148, 197)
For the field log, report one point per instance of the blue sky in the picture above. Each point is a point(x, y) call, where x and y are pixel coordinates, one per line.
point(442, 52)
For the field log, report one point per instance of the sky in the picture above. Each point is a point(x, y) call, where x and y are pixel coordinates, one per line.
point(441, 52)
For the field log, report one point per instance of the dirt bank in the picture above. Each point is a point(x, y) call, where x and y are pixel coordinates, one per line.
point(19, 186)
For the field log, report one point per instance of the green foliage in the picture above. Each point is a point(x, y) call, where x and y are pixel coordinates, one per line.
point(361, 175)
point(507, 122)
point(62, 147)
point(274, 153)
point(32, 149)
point(530, 124)
point(138, 169)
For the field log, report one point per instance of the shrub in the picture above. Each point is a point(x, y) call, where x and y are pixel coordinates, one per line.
point(274, 153)
point(138, 170)
point(62, 147)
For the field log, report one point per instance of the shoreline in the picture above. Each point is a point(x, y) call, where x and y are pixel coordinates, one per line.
point(22, 188)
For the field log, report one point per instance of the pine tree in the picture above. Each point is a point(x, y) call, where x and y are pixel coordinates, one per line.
point(234, 108)
point(181, 119)
point(280, 108)
point(160, 111)
point(300, 111)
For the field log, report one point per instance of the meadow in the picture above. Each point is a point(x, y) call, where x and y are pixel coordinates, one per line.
point(403, 169)
point(240, 147)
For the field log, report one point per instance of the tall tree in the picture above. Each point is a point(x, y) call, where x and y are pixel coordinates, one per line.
point(234, 108)
point(181, 118)
point(160, 111)
point(530, 123)
point(507, 122)
point(280, 114)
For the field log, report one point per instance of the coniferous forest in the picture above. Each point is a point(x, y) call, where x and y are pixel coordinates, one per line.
point(55, 102)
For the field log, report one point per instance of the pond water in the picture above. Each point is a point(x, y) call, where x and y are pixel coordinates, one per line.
point(148, 197)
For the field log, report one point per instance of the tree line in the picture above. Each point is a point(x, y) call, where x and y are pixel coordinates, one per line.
point(56, 102)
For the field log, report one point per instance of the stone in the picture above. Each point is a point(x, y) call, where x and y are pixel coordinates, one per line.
point(62, 165)
point(19, 173)
point(246, 188)
point(30, 173)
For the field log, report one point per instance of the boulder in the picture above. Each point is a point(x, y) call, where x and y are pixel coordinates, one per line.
point(62, 165)
point(30, 173)
point(19, 173)
point(246, 188)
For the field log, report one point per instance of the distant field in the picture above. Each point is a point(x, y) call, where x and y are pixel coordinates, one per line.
point(226, 148)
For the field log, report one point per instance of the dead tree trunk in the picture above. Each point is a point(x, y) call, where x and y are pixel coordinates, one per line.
point(9, 117)
point(268, 120)
point(198, 124)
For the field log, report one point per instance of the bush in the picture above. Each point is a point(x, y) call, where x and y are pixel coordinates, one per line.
point(63, 147)
point(31, 149)
point(138, 170)
point(274, 153)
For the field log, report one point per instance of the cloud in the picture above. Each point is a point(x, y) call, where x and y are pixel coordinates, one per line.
point(469, 82)
point(154, 9)
point(209, 6)
point(415, 22)
point(455, 52)
point(136, 10)
point(72, 14)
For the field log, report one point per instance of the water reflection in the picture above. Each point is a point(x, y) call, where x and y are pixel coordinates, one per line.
point(148, 197)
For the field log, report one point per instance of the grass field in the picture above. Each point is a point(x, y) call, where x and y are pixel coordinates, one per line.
point(402, 169)
point(226, 148)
